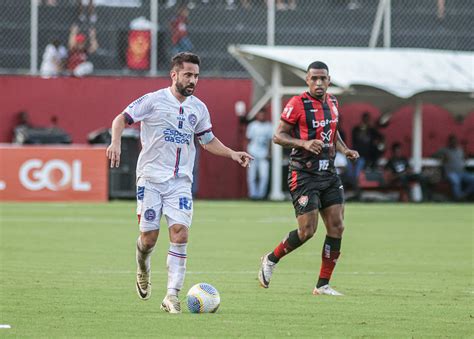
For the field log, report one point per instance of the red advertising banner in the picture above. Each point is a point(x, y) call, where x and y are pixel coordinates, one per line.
point(53, 173)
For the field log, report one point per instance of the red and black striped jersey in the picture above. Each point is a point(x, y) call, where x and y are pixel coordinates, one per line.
point(313, 119)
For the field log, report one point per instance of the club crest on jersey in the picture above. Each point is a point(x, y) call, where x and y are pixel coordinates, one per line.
point(192, 118)
point(303, 200)
point(150, 214)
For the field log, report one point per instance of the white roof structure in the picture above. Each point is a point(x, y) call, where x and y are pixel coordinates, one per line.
point(387, 78)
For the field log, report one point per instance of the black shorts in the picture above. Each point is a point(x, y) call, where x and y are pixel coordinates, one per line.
point(310, 192)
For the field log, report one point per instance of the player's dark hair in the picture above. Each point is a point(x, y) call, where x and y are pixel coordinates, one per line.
point(318, 65)
point(180, 58)
point(395, 146)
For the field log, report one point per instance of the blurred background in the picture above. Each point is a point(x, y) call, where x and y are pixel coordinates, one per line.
point(69, 66)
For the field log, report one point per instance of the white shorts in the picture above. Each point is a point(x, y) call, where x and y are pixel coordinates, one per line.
point(172, 198)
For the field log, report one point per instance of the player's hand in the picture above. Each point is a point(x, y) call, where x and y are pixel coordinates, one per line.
point(113, 153)
point(314, 146)
point(352, 155)
point(242, 158)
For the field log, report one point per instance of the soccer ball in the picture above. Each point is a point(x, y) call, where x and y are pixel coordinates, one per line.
point(203, 298)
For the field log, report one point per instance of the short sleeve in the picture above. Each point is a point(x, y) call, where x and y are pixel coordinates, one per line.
point(204, 124)
point(291, 112)
point(139, 110)
point(334, 101)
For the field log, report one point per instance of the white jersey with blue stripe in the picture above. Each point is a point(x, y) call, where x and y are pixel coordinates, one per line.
point(167, 134)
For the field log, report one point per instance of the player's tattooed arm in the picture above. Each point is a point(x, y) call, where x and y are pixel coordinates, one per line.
point(342, 147)
point(283, 138)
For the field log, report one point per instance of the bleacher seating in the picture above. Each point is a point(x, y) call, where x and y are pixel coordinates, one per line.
point(213, 27)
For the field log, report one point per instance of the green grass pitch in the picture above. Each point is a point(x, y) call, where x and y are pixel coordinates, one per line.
point(68, 270)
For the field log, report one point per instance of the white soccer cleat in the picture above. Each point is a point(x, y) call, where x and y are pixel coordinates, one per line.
point(266, 271)
point(171, 304)
point(326, 290)
point(143, 285)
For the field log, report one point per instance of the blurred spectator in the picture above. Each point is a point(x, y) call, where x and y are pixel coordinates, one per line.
point(87, 11)
point(365, 139)
point(54, 58)
point(353, 5)
point(54, 123)
point(245, 4)
point(283, 5)
point(461, 181)
point(441, 9)
point(22, 124)
point(179, 32)
point(377, 149)
point(400, 174)
point(340, 162)
point(259, 133)
point(80, 47)
point(51, 3)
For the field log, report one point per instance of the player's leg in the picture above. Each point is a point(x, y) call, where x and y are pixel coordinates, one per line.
point(176, 265)
point(307, 224)
point(306, 203)
point(332, 213)
point(178, 210)
point(332, 217)
point(149, 214)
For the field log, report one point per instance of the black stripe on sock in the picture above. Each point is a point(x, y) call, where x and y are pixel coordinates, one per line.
point(294, 239)
point(334, 243)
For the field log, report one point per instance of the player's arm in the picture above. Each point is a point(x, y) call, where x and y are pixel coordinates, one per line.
point(342, 147)
point(72, 35)
point(94, 45)
point(215, 146)
point(283, 138)
point(114, 149)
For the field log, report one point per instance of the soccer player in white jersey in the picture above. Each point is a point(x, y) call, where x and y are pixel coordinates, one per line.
point(169, 119)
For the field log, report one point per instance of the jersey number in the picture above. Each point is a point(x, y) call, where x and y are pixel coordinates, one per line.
point(323, 165)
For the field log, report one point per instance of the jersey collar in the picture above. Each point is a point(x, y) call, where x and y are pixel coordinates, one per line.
point(172, 97)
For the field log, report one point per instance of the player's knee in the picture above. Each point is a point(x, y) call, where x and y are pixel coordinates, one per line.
point(148, 239)
point(179, 234)
point(306, 233)
point(148, 242)
point(337, 228)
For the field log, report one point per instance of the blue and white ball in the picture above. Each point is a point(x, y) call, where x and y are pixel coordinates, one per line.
point(203, 298)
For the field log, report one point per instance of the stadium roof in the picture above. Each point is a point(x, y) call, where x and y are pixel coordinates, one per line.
point(385, 77)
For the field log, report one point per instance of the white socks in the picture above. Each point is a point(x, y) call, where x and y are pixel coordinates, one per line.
point(176, 264)
point(143, 257)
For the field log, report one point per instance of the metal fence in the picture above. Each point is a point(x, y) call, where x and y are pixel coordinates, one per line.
point(138, 37)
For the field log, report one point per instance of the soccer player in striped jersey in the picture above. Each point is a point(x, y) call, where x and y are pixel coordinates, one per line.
point(170, 118)
point(309, 126)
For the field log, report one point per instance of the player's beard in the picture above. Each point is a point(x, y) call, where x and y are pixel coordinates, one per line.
point(183, 89)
